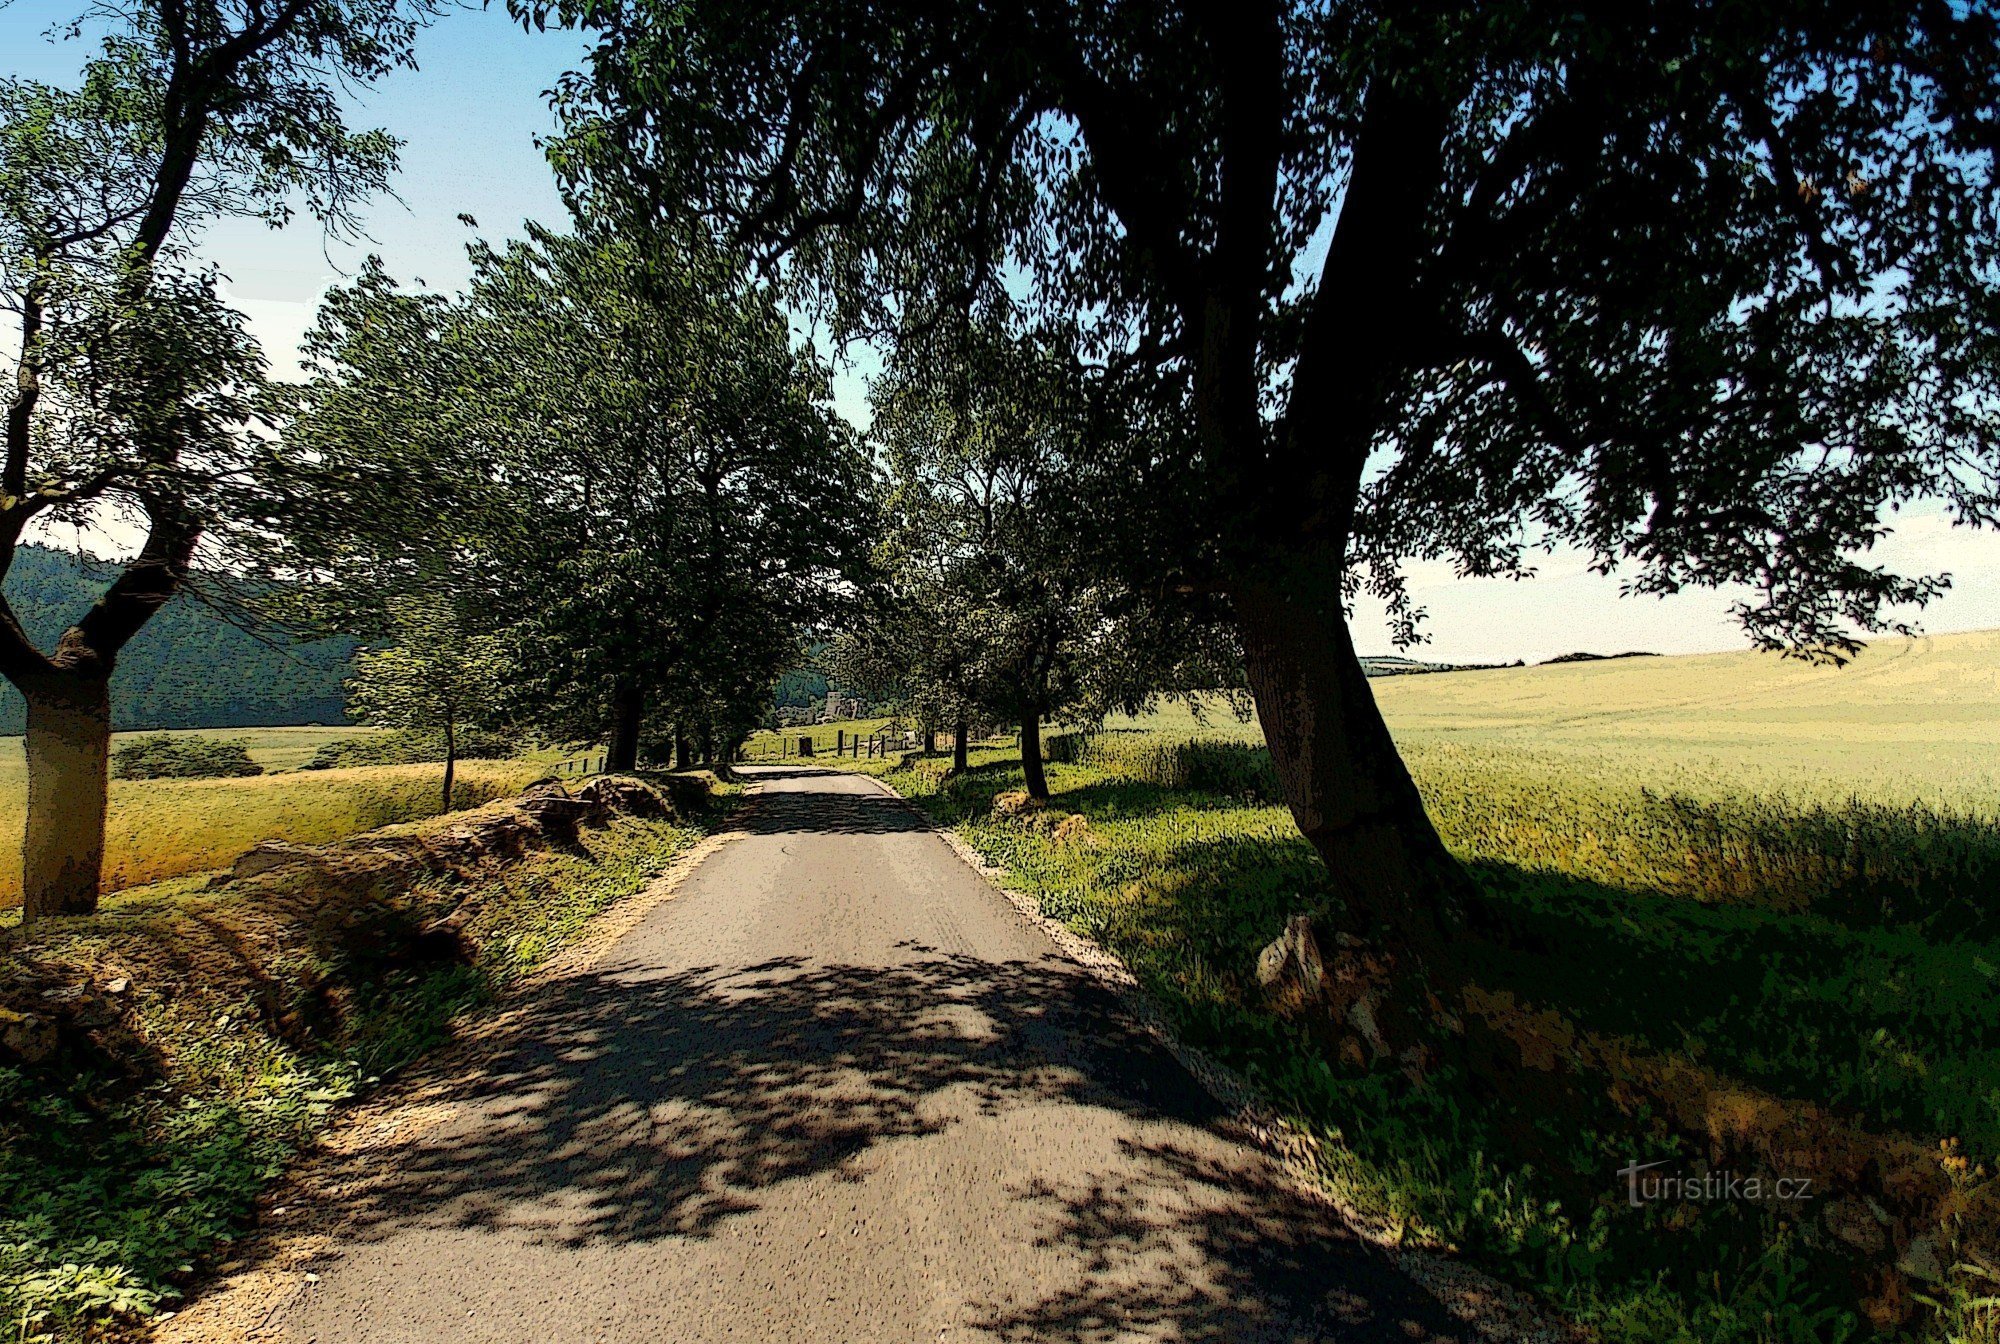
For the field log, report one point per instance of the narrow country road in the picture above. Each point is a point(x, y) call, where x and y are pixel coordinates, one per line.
point(838, 1089)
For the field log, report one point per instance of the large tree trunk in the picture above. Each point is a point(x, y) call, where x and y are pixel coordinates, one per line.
point(69, 756)
point(1339, 768)
point(1031, 756)
point(960, 736)
point(628, 707)
point(450, 760)
point(1403, 898)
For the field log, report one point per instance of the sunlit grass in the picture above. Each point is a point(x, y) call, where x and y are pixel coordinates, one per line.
point(1778, 873)
point(167, 828)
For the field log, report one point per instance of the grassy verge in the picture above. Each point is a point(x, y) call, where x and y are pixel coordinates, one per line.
point(1712, 933)
point(223, 1039)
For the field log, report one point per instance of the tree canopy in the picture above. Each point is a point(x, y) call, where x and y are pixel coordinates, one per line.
point(1707, 291)
point(610, 448)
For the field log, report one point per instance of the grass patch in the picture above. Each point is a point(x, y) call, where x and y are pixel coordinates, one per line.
point(122, 1169)
point(1837, 955)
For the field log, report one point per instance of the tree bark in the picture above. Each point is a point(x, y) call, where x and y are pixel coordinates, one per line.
point(930, 739)
point(628, 707)
point(1031, 756)
point(1339, 768)
point(450, 761)
point(69, 755)
point(959, 743)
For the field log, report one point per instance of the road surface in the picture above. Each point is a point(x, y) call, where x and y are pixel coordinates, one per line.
point(838, 1089)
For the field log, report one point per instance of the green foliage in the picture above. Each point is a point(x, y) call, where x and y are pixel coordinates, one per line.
point(1585, 237)
point(435, 677)
point(189, 667)
point(649, 493)
point(409, 748)
point(166, 757)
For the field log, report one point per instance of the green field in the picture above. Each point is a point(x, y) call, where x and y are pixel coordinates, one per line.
point(1762, 874)
point(768, 745)
point(167, 828)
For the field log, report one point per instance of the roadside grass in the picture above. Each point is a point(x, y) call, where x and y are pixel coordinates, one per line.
point(1844, 954)
point(115, 1191)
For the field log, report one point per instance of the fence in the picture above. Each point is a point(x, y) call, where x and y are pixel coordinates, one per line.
point(589, 763)
point(807, 745)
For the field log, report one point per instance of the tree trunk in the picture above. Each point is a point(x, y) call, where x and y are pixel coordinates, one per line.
point(628, 707)
point(1404, 901)
point(1338, 766)
point(959, 736)
point(930, 739)
point(450, 760)
point(1031, 756)
point(69, 755)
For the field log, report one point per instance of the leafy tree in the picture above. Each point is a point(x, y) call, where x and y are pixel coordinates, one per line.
point(1704, 290)
point(436, 679)
point(1004, 544)
point(132, 385)
point(644, 490)
point(163, 756)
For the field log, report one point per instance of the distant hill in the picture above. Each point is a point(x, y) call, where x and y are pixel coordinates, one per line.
point(188, 668)
point(1597, 657)
point(1395, 665)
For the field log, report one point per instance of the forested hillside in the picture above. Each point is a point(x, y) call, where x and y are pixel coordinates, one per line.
point(188, 668)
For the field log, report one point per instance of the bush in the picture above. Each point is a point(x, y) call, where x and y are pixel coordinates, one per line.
point(1232, 769)
point(163, 756)
point(406, 748)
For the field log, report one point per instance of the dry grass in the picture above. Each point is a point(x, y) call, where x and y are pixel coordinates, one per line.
point(1908, 721)
point(167, 828)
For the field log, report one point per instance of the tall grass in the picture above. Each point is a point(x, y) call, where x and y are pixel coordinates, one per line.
point(159, 829)
point(1682, 833)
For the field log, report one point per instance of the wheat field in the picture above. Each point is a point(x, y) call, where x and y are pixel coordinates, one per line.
point(1909, 720)
point(166, 828)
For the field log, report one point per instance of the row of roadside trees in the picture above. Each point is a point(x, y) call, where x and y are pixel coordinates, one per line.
point(1706, 293)
point(597, 496)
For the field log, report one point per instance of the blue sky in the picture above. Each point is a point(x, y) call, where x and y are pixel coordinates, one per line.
point(469, 117)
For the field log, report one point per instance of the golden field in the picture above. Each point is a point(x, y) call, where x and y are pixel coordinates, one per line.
point(1908, 720)
point(171, 827)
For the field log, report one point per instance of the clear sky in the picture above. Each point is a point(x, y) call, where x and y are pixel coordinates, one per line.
point(469, 117)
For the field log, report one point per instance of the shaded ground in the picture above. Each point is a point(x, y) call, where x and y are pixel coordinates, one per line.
point(837, 1090)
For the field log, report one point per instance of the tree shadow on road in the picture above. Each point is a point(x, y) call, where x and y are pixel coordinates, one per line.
point(633, 1105)
point(786, 812)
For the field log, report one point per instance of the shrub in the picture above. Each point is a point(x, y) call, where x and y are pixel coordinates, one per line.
point(1204, 765)
point(163, 756)
point(405, 748)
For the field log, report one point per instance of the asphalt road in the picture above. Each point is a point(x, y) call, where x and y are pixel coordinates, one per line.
point(839, 1089)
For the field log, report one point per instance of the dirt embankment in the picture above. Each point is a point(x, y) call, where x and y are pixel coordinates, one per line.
point(301, 932)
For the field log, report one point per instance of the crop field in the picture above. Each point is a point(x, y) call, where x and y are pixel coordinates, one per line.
point(1908, 720)
point(168, 828)
point(1766, 875)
